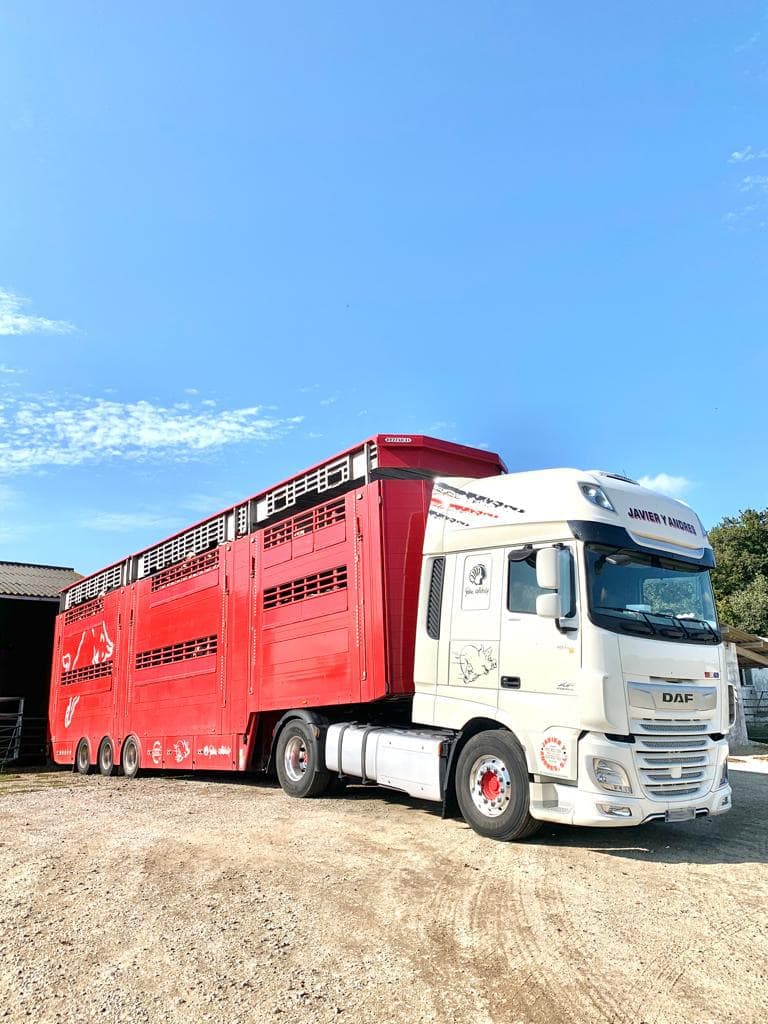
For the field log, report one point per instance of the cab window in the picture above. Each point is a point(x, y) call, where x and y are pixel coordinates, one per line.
point(522, 588)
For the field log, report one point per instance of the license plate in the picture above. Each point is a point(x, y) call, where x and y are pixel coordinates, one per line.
point(680, 814)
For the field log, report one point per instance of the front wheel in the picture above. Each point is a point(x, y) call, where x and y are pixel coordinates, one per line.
point(492, 787)
point(297, 770)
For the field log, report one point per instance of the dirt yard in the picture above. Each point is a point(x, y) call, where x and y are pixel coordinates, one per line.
point(195, 899)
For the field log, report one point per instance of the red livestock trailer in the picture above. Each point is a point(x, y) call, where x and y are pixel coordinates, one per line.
point(196, 651)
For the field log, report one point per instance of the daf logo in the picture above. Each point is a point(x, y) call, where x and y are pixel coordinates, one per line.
point(398, 440)
point(676, 698)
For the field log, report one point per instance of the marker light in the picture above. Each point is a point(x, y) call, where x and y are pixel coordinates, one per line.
point(596, 494)
point(610, 775)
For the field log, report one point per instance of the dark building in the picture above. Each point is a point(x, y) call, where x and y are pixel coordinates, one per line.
point(29, 601)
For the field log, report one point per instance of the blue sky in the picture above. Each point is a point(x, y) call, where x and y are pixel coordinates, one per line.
point(237, 238)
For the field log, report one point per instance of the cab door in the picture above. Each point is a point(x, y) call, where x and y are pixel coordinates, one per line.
point(468, 673)
point(539, 657)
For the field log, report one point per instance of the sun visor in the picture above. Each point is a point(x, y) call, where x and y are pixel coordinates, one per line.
point(652, 520)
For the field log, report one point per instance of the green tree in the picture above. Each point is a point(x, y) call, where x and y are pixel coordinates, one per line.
point(741, 577)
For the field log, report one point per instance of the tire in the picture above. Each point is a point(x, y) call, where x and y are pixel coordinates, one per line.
point(492, 787)
point(129, 758)
point(295, 761)
point(106, 757)
point(82, 758)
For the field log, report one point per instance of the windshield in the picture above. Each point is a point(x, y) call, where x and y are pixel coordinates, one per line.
point(649, 595)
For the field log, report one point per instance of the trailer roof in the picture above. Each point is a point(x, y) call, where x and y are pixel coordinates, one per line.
point(24, 579)
point(382, 454)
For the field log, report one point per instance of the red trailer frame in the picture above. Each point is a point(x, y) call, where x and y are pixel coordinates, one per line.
point(189, 653)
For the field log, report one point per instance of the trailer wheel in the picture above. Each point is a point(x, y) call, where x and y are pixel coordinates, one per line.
point(296, 762)
point(106, 757)
point(130, 758)
point(492, 787)
point(82, 758)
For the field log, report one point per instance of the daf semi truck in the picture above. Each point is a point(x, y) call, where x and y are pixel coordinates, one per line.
point(523, 647)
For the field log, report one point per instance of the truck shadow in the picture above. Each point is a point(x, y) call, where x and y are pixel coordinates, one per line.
point(739, 837)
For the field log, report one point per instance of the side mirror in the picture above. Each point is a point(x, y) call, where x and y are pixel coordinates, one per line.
point(548, 569)
point(548, 606)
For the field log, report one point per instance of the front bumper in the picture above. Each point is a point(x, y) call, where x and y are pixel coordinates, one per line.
point(587, 804)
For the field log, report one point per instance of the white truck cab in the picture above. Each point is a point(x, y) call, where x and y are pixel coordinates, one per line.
point(570, 614)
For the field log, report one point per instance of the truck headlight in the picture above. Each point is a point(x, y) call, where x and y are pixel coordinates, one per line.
point(723, 776)
point(610, 776)
point(596, 494)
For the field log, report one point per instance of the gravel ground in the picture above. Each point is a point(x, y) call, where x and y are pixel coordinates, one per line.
point(196, 899)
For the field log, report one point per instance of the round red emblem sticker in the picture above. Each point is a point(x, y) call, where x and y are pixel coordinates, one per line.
point(553, 754)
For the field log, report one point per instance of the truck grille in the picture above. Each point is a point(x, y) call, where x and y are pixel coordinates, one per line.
point(677, 765)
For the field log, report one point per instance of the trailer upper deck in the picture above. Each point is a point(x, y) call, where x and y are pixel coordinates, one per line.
point(382, 456)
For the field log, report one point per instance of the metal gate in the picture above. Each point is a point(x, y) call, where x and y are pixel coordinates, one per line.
point(22, 738)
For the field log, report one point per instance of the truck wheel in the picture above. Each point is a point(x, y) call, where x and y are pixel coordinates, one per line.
point(130, 758)
point(82, 758)
point(492, 787)
point(106, 757)
point(295, 762)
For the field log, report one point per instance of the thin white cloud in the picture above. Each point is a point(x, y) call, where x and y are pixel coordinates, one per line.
point(7, 497)
point(12, 528)
point(744, 156)
point(10, 371)
point(674, 486)
point(205, 504)
point(13, 319)
point(754, 210)
point(42, 432)
point(329, 401)
point(12, 533)
point(748, 44)
point(734, 217)
point(754, 181)
point(126, 522)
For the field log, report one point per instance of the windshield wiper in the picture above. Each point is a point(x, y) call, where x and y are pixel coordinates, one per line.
point(707, 627)
point(670, 630)
point(645, 621)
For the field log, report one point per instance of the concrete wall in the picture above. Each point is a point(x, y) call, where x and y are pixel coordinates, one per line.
point(738, 739)
point(755, 691)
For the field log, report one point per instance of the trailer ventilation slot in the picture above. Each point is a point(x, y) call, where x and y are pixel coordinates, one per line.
point(84, 611)
point(341, 472)
point(435, 602)
point(185, 570)
point(332, 474)
point(95, 586)
point(183, 651)
point(315, 585)
point(79, 675)
point(191, 542)
point(307, 522)
point(241, 520)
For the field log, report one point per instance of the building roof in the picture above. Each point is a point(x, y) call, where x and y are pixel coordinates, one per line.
point(749, 646)
point(19, 579)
